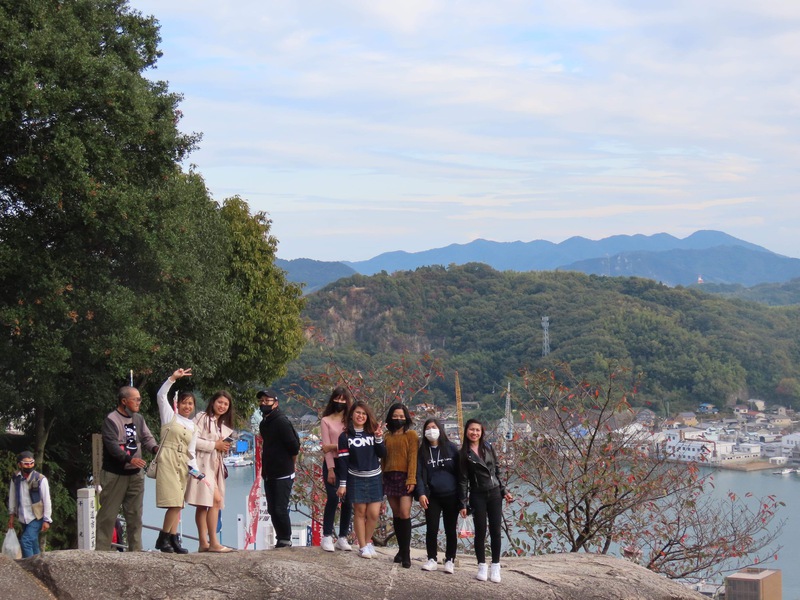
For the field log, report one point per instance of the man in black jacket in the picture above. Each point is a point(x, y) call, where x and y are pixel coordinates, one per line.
point(280, 447)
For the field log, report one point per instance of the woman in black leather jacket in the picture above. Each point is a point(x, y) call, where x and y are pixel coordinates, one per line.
point(480, 488)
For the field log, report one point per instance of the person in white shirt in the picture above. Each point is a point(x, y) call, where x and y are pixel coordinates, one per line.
point(29, 502)
point(176, 459)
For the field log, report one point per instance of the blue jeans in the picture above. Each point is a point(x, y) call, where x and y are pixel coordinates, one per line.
point(29, 540)
point(331, 503)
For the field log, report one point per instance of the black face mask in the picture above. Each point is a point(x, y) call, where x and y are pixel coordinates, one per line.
point(396, 424)
point(339, 406)
point(265, 410)
point(27, 470)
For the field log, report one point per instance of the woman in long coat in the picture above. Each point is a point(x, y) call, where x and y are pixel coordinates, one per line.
point(214, 426)
point(176, 459)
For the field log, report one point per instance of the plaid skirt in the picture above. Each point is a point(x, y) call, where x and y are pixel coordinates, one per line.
point(394, 483)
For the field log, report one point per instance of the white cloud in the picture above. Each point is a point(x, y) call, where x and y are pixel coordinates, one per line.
point(383, 125)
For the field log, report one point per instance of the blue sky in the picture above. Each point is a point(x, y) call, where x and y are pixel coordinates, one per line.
point(367, 126)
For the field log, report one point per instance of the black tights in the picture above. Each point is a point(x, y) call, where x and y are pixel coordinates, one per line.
point(487, 505)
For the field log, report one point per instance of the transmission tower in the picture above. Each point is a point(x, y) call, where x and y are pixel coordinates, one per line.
point(546, 337)
point(508, 421)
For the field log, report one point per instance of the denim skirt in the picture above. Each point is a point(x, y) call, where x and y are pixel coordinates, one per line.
point(363, 490)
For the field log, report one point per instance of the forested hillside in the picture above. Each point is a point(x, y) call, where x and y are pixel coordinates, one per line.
point(692, 346)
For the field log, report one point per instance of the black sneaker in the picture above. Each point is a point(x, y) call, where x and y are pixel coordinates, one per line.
point(284, 544)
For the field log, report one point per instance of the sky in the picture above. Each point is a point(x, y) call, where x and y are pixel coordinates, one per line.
point(369, 126)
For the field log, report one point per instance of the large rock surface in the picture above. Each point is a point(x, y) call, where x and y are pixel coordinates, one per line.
point(311, 574)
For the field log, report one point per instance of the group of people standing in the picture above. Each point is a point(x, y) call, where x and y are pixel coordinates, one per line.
point(362, 464)
point(189, 466)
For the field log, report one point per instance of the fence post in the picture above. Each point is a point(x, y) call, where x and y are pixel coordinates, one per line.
point(87, 523)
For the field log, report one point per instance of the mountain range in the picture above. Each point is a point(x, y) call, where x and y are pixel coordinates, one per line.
point(704, 256)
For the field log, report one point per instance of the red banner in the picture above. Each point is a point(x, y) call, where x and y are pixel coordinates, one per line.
point(254, 498)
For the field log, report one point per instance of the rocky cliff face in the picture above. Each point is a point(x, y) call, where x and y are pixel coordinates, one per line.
point(310, 573)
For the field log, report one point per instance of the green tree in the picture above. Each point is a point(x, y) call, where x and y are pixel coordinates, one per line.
point(112, 259)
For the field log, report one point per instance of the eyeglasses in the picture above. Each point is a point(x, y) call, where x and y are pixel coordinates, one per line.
point(137, 399)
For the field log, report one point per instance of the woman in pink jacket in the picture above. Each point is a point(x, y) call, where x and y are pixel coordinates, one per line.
point(332, 426)
point(214, 427)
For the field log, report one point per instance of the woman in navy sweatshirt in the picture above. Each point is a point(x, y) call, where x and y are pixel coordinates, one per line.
point(359, 470)
point(437, 492)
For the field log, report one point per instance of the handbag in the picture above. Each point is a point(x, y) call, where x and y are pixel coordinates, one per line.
point(152, 469)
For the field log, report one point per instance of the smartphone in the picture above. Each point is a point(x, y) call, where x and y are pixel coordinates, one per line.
point(228, 440)
point(196, 474)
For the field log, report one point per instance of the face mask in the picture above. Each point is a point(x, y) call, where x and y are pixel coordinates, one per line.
point(339, 406)
point(27, 470)
point(395, 424)
point(265, 409)
point(432, 434)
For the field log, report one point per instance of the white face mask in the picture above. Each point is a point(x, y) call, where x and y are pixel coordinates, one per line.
point(432, 434)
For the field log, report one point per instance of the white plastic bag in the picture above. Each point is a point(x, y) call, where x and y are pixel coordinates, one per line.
point(466, 527)
point(11, 547)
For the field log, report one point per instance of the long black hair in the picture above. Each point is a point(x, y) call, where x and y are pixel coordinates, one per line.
point(338, 392)
point(464, 451)
point(404, 408)
point(444, 442)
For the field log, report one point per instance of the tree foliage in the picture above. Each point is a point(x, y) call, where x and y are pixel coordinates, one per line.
point(112, 258)
point(693, 347)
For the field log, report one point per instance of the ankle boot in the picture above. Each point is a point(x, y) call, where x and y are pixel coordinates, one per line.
point(162, 543)
point(175, 542)
point(405, 543)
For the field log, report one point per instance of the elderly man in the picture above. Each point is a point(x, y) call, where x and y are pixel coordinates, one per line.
point(122, 479)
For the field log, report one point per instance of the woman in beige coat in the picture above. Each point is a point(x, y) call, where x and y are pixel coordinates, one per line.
point(176, 459)
point(214, 426)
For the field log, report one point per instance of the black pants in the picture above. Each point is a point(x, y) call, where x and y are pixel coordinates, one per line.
point(278, 492)
point(447, 507)
point(487, 505)
point(331, 503)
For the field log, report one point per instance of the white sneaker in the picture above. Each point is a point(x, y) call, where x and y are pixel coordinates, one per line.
point(327, 543)
point(342, 544)
point(482, 572)
point(371, 550)
point(364, 552)
point(495, 575)
point(430, 565)
point(449, 567)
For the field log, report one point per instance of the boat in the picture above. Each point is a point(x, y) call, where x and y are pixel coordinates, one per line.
point(237, 460)
point(784, 472)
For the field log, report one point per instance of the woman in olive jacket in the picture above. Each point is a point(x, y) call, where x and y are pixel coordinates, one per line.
point(479, 488)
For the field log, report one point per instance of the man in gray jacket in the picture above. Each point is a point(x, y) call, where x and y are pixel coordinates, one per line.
point(122, 479)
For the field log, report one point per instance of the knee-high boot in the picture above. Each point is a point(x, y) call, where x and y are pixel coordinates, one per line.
point(404, 526)
point(398, 558)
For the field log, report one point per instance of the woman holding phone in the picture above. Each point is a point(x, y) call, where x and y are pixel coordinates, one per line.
point(214, 429)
